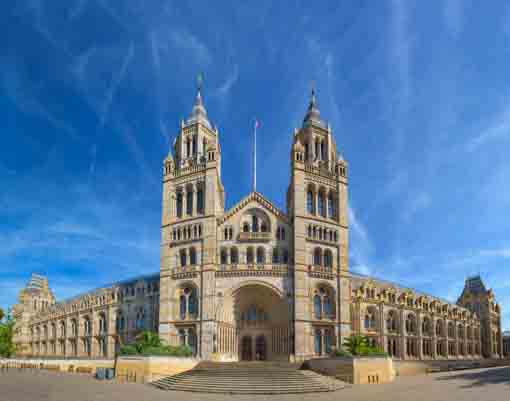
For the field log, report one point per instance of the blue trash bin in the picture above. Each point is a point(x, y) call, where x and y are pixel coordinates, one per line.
point(100, 373)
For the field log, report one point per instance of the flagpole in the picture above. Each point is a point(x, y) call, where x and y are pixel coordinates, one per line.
point(255, 157)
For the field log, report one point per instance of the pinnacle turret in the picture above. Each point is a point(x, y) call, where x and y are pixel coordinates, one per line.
point(313, 114)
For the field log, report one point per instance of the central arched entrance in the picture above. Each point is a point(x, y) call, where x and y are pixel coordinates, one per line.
point(261, 318)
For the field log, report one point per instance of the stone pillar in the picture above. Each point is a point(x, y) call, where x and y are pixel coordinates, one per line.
point(382, 332)
point(402, 337)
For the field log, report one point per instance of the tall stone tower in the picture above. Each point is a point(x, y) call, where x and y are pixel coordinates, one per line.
point(193, 198)
point(317, 205)
point(478, 299)
point(33, 299)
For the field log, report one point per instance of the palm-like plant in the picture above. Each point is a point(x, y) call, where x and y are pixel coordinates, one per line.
point(356, 344)
point(147, 339)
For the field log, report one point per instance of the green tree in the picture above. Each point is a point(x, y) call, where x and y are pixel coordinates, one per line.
point(2, 314)
point(356, 345)
point(7, 346)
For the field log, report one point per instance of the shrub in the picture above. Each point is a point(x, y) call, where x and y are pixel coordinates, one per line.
point(358, 346)
point(128, 350)
point(342, 352)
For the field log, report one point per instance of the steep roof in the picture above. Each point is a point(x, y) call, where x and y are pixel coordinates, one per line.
point(254, 197)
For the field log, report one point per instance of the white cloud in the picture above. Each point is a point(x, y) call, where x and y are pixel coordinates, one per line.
point(497, 128)
point(226, 87)
point(22, 94)
point(185, 40)
point(361, 246)
point(115, 82)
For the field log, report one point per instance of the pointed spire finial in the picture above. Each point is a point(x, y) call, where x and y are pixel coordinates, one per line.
point(313, 113)
point(198, 113)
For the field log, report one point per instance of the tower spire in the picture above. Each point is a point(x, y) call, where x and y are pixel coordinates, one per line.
point(198, 113)
point(313, 113)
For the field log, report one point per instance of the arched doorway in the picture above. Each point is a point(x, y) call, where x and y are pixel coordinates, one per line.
point(261, 319)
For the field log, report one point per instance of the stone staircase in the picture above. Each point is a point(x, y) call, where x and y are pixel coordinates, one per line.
point(249, 378)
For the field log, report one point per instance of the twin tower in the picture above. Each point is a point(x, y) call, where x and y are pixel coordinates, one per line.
point(254, 282)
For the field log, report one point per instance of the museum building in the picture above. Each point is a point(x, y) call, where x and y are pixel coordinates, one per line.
point(255, 282)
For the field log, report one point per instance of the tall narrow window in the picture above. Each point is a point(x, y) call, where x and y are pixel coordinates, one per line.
point(309, 201)
point(249, 255)
point(179, 204)
point(328, 258)
point(223, 257)
point(183, 257)
point(322, 209)
point(328, 341)
point(323, 151)
point(188, 150)
point(261, 257)
point(182, 307)
point(318, 342)
point(317, 154)
point(285, 256)
point(194, 147)
point(234, 257)
point(307, 152)
point(317, 256)
point(317, 307)
point(275, 256)
point(193, 303)
point(331, 208)
point(192, 256)
point(189, 202)
point(200, 200)
point(255, 224)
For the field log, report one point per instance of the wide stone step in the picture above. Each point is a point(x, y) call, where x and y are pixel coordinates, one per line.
point(248, 378)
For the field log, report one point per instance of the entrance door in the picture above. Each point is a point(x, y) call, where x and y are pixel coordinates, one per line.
point(260, 348)
point(246, 354)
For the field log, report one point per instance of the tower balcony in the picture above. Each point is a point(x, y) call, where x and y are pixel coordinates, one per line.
point(254, 236)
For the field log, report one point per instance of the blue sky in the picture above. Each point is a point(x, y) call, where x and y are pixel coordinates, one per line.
point(417, 93)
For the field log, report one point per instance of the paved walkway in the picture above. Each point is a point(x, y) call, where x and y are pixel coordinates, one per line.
point(469, 385)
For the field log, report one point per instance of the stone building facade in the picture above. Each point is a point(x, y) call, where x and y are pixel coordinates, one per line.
point(254, 282)
point(91, 325)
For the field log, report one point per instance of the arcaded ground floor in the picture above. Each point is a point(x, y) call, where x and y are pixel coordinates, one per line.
point(491, 384)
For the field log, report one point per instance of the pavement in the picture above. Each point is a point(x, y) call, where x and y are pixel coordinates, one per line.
point(491, 384)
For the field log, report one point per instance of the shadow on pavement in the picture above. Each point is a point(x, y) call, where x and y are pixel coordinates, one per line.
point(481, 378)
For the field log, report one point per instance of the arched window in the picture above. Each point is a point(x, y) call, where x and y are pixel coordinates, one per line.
point(391, 322)
point(179, 204)
point(263, 227)
point(192, 341)
point(439, 328)
point(370, 323)
point(252, 313)
point(246, 227)
point(317, 257)
point(183, 257)
point(192, 256)
point(322, 208)
point(254, 224)
point(451, 329)
point(249, 255)
point(328, 258)
point(309, 231)
point(276, 257)
point(188, 150)
point(331, 207)
point(411, 324)
point(317, 151)
point(234, 256)
point(223, 257)
point(189, 202)
point(323, 151)
point(261, 256)
point(309, 201)
point(194, 145)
